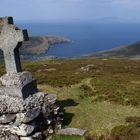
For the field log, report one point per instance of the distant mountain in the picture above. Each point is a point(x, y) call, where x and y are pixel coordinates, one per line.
point(129, 51)
point(109, 19)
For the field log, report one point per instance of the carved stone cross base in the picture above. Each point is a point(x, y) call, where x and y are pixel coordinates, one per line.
point(19, 84)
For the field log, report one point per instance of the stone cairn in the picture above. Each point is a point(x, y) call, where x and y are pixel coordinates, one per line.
point(24, 111)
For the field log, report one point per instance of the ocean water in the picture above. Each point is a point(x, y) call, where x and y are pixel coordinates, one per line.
point(86, 38)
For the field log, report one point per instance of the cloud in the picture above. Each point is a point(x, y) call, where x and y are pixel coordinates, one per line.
point(71, 9)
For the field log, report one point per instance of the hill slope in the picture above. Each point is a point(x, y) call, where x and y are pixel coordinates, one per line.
point(38, 45)
point(129, 51)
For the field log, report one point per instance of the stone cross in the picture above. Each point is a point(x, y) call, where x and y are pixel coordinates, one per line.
point(11, 39)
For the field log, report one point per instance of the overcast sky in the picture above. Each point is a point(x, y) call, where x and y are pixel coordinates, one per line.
point(70, 10)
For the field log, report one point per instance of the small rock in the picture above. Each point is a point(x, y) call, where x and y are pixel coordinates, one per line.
point(7, 118)
point(37, 136)
point(51, 98)
point(50, 131)
point(72, 131)
point(5, 134)
point(22, 130)
point(87, 67)
point(48, 104)
point(56, 109)
point(26, 138)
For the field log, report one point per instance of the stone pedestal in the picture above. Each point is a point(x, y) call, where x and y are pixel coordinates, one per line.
point(19, 84)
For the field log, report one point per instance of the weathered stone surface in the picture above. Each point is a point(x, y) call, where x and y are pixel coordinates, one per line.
point(56, 109)
point(22, 130)
point(47, 107)
point(46, 110)
point(33, 101)
point(14, 82)
point(51, 98)
point(50, 131)
point(10, 41)
point(26, 138)
point(9, 136)
point(18, 84)
point(10, 105)
point(19, 92)
point(7, 118)
point(72, 131)
point(36, 136)
point(28, 116)
point(5, 133)
point(19, 79)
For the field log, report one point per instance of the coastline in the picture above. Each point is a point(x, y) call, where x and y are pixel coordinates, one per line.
point(37, 46)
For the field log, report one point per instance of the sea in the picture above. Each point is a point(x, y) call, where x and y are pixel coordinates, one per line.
point(86, 38)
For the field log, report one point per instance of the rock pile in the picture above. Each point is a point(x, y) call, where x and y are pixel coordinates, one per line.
point(25, 120)
point(24, 111)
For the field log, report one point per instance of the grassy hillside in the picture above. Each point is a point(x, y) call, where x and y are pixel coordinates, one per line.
point(100, 96)
point(129, 51)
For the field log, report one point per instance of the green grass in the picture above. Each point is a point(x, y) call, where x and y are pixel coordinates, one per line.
point(67, 138)
point(116, 81)
point(99, 100)
point(96, 117)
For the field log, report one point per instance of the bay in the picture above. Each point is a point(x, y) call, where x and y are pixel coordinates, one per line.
point(86, 38)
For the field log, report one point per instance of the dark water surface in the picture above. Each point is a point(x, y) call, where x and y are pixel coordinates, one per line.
point(86, 38)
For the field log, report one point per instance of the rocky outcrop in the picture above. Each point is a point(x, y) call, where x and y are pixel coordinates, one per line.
point(35, 113)
point(40, 44)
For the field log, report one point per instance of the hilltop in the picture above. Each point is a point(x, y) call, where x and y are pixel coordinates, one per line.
point(129, 51)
